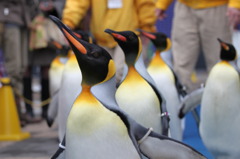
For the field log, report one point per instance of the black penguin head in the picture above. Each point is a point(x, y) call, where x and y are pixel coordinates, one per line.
point(95, 63)
point(82, 35)
point(160, 40)
point(228, 52)
point(129, 42)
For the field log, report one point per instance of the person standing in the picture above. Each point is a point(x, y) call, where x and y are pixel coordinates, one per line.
point(42, 53)
point(196, 26)
point(15, 19)
point(113, 14)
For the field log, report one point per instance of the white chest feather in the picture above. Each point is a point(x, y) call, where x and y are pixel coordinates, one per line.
point(136, 97)
point(70, 89)
point(220, 109)
point(95, 132)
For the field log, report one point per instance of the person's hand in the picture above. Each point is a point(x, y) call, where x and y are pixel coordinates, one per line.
point(234, 16)
point(160, 14)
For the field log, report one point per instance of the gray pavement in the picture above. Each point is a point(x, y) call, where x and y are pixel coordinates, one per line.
point(42, 143)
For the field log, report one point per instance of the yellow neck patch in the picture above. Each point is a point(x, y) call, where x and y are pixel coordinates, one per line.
point(86, 97)
point(133, 76)
point(111, 70)
point(157, 60)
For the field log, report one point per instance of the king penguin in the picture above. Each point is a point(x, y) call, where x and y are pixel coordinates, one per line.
point(55, 77)
point(166, 81)
point(94, 131)
point(97, 127)
point(220, 106)
point(70, 87)
point(137, 93)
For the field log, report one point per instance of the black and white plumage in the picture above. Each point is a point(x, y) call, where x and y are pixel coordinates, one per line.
point(137, 93)
point(55, 79)
point(220, 106)
point(97, 127)
point(70, 86)
point(166, 81)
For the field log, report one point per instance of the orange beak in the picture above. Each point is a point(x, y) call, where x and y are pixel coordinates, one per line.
point(76, 43)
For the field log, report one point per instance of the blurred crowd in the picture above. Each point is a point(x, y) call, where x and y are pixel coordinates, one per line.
point(25, 33)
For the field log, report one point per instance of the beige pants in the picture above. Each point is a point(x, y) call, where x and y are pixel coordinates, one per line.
point(13, 41)
point(195, 31)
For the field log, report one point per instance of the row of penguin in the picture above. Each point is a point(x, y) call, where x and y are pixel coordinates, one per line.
point(142, 116)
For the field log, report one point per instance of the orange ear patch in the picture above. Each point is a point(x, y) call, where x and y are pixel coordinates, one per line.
point(57, 45)
point(119, 37)
point(151, 36)
point(76, 43)
point(78, 35)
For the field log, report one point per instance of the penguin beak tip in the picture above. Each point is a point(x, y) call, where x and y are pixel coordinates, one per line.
point(109, 31)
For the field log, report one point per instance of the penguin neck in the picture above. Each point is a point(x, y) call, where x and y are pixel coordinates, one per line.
point(86, 88)
point(57, 61)
point(63, 60)
point(224, 62)
point(131, 59)
point(85, 93)
point(72, 57)
point(86, 97)
point(132, 74)
point(157, 59)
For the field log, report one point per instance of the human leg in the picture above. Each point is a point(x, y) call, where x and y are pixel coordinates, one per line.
point(185, 43)
point(12, 56)
point(27, 91)
point(214, 25)
point(45, 94)
point(12, 53)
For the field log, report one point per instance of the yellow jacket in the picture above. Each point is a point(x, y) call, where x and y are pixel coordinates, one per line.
point(199, 4)
point(132, 15)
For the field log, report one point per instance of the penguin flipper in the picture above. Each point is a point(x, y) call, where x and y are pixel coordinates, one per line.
point(165, 119)
point(190, 102)
point(180, 88)
point(52, 109)
point(155, 146)
point(60, 153)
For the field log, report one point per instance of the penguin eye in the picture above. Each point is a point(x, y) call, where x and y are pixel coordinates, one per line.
point(131, 37)
point(96, 54)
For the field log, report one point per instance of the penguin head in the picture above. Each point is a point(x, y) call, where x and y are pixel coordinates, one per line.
point(160, 40)
point(228, 52)
point(95, 63)
point(82, 35)
point(129, 42)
